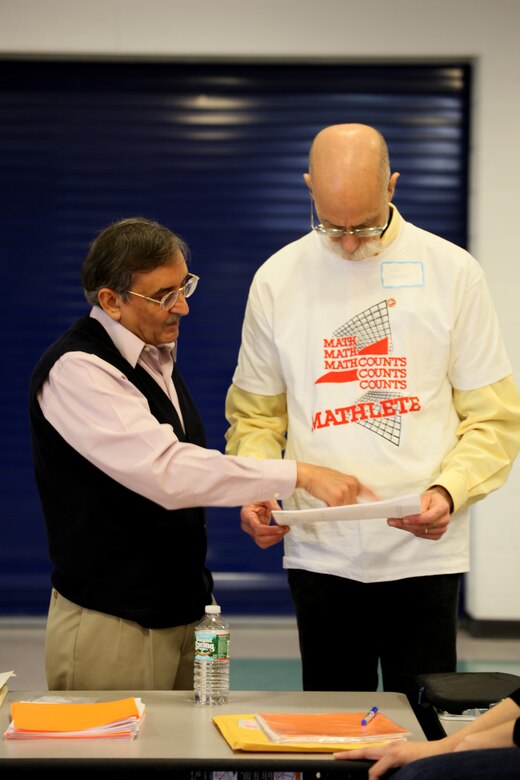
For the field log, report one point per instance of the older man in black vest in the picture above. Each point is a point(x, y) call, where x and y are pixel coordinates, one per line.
point(123, 474)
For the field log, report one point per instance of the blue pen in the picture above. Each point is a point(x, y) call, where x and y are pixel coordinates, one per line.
point(370, 714)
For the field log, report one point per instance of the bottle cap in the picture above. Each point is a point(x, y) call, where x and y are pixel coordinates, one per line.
point(213, 609)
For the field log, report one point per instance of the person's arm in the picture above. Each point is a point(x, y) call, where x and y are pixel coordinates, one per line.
point(106, 419)
point(257, 428)
point(255, 519)
point(495, 728)
point(488, 442)
point(258, 424)
point(103, 416)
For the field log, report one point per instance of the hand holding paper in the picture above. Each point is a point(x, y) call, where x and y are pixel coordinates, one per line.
point(434, 518)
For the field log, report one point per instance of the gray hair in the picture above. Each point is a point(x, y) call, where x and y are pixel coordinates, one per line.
point(123, 249)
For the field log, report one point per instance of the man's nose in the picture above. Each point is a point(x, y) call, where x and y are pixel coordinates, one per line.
point(349, 243)
point(180, 306)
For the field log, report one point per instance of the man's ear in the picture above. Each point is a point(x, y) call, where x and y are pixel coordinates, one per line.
point(391, 185)
point(110, 302)
point(307, 180)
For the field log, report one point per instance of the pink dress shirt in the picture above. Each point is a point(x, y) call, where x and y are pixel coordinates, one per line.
point(106, 419)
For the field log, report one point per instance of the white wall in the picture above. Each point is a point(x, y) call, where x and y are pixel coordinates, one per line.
point(482, 31)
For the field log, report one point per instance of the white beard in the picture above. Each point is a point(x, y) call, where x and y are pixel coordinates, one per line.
point(368, 248)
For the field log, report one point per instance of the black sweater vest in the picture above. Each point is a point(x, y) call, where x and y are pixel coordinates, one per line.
point(113, 550)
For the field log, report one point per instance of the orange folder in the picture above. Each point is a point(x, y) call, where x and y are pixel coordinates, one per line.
point(327, 727)
point(64, 717)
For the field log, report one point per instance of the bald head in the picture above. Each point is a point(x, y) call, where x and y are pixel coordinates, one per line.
point(349, 156)
point(349, 175)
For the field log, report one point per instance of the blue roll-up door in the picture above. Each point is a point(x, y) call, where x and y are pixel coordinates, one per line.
point(216, 152)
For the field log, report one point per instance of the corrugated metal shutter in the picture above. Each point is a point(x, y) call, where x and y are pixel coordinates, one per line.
point(216, 152)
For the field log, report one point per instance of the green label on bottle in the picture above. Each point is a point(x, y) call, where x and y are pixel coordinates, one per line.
point(211, 646)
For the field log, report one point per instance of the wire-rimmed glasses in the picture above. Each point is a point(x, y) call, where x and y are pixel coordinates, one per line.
point(171, 298)
point(336, 232)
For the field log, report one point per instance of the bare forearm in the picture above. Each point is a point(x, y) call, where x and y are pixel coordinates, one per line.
point(498, 722)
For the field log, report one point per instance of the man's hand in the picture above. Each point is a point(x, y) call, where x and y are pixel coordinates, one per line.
point(434, 519)
point(330, 486)
point(255, 520)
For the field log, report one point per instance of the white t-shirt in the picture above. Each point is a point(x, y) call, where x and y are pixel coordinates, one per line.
point(367, 353)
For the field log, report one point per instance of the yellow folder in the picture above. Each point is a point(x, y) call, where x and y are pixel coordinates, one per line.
point(242, 732)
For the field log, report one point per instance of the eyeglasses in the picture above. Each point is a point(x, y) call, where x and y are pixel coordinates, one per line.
point(333, 232)
point(171, 298)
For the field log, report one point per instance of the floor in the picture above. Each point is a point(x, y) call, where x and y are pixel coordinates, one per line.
point(264, 653)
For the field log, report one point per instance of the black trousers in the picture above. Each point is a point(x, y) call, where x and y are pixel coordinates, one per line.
point(347, 627)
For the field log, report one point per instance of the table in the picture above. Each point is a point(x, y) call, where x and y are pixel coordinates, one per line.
point(177, 736)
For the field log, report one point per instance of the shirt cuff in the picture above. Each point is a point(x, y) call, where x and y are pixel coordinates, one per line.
point(455, 487)
point(279, 478)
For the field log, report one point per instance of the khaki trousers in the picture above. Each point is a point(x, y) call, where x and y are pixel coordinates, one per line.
point(89, 650)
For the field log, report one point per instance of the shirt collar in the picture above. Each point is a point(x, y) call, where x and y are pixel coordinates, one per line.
point(128, 344)
point(393, 228)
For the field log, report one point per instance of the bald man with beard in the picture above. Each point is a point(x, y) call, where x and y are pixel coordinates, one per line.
point(372, 346)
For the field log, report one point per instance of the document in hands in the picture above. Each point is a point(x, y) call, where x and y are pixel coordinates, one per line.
point(75, 720)
point(402, 506)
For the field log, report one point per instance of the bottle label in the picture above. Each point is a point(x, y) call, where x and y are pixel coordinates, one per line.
point(211, 645)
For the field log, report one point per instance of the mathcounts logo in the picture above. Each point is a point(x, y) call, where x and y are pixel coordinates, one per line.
point(360, 352)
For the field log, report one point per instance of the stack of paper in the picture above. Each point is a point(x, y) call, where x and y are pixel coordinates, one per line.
point(4, 676)
point(409, 504)
point(306, 733)
point(68, 720)
point(329, 727)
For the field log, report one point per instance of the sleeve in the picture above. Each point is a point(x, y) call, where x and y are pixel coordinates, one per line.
point(109, 422)
point(258, 423)
point(478, 353)
point(258, 368)
point(488, 442)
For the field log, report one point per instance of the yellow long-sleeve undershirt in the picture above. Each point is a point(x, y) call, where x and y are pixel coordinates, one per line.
point(488, 436)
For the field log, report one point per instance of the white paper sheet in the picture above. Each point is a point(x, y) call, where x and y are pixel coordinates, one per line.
point(394, 507)
point(4, 677)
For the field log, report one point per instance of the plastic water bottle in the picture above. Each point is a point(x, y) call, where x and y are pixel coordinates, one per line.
point(211, 672)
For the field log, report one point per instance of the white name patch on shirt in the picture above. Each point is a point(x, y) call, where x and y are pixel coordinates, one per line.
point(402, 274)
